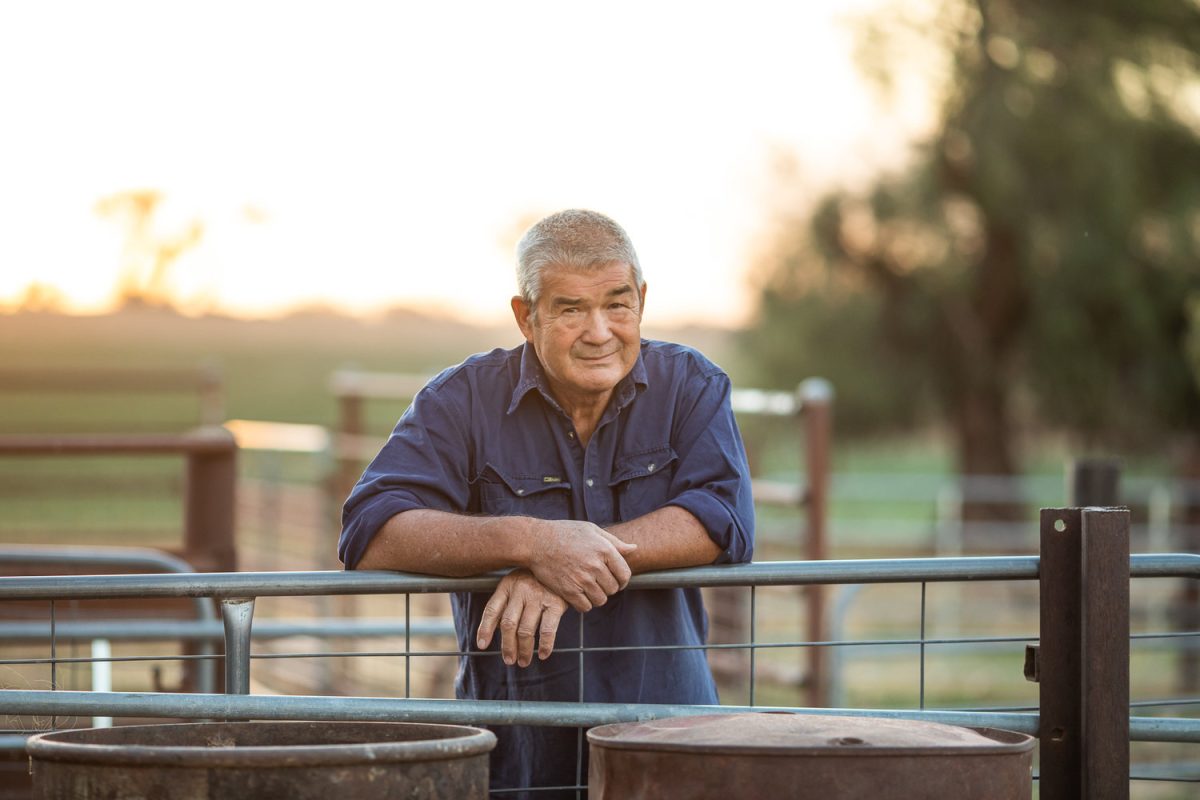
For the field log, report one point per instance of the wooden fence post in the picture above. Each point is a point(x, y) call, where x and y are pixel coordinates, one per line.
point(1093, 482)
point(1083, 658)
point(816, 412)
point(208, 528)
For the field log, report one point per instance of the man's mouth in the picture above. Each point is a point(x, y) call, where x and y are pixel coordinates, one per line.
point(600, 357)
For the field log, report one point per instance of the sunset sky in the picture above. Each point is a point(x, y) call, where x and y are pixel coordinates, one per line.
point(366, 155)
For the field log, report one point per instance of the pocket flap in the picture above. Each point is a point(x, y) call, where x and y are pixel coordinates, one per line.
point(639, 465)
point(524, 486)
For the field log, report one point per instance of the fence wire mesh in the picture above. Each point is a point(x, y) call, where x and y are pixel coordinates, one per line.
point(901, 652)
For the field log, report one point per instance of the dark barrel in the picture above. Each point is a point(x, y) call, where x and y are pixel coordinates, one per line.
point(263, 760)
point(780, 755)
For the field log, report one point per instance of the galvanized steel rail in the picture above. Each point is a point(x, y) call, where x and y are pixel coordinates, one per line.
point(768, 573)
point(331, 582)
point(492, 712)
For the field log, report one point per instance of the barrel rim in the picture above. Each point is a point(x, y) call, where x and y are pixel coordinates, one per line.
point(55, 746)
point(1006, 743)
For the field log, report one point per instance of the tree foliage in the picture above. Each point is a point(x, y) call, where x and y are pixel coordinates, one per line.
point(1044, 242)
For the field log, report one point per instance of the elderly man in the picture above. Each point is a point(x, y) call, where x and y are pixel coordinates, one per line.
point(575, 460)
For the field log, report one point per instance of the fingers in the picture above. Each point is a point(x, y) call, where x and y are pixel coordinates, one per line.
point(551, 616)
point(509, 622)
point(608, 583)
point(596, 594)
point(491, 615)
point(527, 628)
point(584, 591)
point(585, 565)
point(617, 564)
point(578, 600)
point(522, 608)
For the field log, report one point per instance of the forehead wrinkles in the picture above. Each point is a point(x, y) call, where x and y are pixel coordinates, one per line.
point(564, 282)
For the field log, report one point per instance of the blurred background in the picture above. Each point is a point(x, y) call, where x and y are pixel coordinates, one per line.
point(979, 221)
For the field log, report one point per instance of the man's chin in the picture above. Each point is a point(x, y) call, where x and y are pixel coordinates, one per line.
point(599, 378)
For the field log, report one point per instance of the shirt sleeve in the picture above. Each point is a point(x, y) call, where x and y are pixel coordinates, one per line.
point(712, 479)
point(423, 464)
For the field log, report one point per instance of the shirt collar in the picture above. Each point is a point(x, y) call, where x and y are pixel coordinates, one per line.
point(532, 377)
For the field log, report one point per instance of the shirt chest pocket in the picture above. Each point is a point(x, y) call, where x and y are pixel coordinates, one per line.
point(641, 482)
point(504, 494)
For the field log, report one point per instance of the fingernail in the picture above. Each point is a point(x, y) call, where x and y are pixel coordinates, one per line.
point(480, 643)
point(508, 661)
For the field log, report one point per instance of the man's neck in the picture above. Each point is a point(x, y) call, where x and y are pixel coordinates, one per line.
point(585, 412)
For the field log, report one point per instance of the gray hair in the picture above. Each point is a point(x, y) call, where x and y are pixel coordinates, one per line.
point(574, 238)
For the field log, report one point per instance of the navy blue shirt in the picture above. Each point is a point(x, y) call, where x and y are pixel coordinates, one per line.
point(487, 437)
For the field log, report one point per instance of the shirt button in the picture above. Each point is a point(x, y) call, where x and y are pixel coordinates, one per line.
point(570, 434)
point(589, 481)
point(520, 491)
point(650, 468)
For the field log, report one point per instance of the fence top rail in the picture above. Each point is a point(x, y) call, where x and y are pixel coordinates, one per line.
point(268, 584)
point(376, 385)
point(764, 573)
point(166, 379)
point(126, 557)
point(210, 439)
point(400, 386)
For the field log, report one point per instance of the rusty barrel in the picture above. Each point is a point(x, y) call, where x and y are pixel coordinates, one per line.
point(781, 755)
point(263, 760)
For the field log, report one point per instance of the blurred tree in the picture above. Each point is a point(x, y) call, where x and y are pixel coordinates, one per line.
point(1194, 340)
point(148, 255)
point(1044, 239)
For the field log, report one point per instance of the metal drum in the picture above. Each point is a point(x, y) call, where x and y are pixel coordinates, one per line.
point(285, 760)
point(780, 755)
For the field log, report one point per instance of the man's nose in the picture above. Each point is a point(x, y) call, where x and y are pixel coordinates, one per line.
point(596, 327)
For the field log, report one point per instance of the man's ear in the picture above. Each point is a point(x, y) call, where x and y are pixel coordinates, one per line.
point(523, 313)
point(643, 306)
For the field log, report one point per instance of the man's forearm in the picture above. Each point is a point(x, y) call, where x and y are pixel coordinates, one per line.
point(578, 561)
point(440, 543)
point(667, 538)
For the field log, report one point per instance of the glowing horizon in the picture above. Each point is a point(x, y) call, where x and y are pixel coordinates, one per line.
point(386, 157)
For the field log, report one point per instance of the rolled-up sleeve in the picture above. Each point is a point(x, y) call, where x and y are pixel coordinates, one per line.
point(422, 465)
point(712, 479)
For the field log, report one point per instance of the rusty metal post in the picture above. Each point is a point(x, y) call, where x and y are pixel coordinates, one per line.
point(351, 427)
point(1187, 603)
point(1083, 655)
point(1093, 482)
point(208, 528)
point(816, 410)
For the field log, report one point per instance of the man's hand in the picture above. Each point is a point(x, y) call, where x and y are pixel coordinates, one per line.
point(521, 606)
point(580, 562)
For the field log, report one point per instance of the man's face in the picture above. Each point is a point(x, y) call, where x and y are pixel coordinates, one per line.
point(586, 329)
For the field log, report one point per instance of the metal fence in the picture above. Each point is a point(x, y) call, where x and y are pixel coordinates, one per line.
point(1082, 716)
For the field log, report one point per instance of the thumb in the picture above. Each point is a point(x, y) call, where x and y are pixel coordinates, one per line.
point(623, 547)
